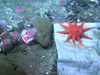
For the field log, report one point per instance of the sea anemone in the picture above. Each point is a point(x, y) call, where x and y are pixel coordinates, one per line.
point(31, 32)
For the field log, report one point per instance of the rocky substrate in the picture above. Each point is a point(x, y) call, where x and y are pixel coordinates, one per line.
point(35, 60)
point(8, 68)
point(39, 58)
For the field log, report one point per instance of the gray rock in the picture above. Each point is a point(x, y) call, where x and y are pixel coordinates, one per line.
point(43, 36)
point(78, 60)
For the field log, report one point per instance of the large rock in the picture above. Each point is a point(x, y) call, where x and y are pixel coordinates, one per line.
point(43, 36)
point(34, 59)
point(79, 60)
point(8, 68)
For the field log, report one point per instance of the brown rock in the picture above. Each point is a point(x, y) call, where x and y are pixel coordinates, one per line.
point(7, 68)
point(43, 36)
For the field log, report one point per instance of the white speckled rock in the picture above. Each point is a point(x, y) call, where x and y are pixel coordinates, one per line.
point(78, 60)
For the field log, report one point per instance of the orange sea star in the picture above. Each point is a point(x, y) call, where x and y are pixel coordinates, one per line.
point(75, 31)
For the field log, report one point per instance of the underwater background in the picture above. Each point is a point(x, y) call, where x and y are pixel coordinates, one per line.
point(29, 43)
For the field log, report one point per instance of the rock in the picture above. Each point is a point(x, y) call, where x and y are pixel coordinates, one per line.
point(94, 4)
point(20, 25)
point(34, 59)
point(89, 19)
point(7, 68)
point(82, 3)
point(78, 60)
point(43, 36)
point(76, 9)
point(71, 18)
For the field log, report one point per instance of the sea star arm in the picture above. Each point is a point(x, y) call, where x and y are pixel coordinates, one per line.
point(85, 29)
point(83, 35)
point(66, 27)
point(69, 36)
point(73, 39)
point(74, 23)
point(78, 39)
point(64, 32)
point(69, 24)
point(80, 26)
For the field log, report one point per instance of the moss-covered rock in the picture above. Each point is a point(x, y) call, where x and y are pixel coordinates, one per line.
point(43, 26)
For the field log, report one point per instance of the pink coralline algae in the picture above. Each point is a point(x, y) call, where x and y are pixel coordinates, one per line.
point(19, 9)
point(62, 2)
point(6, 44)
